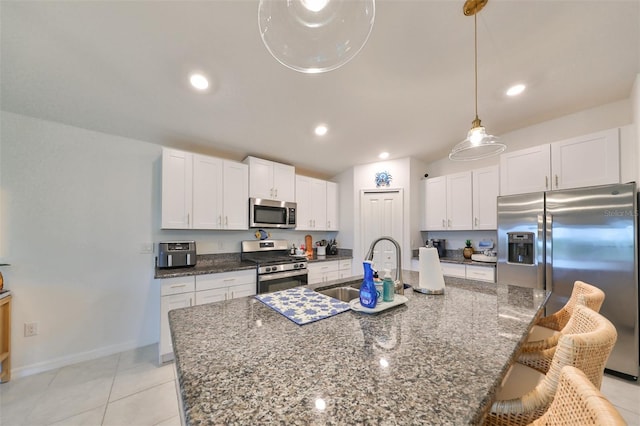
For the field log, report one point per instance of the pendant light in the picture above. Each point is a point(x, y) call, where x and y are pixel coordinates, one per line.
point(478, 143)
point(315, 36)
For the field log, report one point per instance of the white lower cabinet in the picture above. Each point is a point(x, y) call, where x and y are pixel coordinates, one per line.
point(174, 293)
point(320, 272)
point(192, 290)
point(470, 272)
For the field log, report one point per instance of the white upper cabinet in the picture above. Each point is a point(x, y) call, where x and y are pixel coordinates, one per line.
point(332, 206)
point(207, 192)
point(311, 199)
point(459, 210)
point(177, 189)
point(485, 194)
point(271, 180)
point(448, 202)
point(461, 201)
point(588, 160)
point(201, 192)
point(523, 171)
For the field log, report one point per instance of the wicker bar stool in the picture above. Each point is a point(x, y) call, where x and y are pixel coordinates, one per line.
point(586, 343)
point(578, 402)
point(547, 330)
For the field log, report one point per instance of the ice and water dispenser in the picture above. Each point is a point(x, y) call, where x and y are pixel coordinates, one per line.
point(521, 247)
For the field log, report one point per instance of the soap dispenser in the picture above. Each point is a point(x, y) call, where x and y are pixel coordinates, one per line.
point(368, 292)
point(388, 287)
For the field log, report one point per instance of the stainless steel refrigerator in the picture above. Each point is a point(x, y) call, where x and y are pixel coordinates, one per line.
point(551, 239)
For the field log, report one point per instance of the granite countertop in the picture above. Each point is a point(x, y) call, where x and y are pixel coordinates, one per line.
point(438, 359)
point(226, 262)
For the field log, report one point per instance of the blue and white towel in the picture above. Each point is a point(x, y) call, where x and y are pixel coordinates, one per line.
point(302, 305)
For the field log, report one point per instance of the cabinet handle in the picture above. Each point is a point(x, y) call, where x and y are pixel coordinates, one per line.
point(232, 295)
point(556, 181)
point(276, 192)
point(444, 225)
point(226, 221)
point(188, 218)
point(177, 285)
point(328, 224)
point(314, 223)
point(191, 301)
point(271, 192)
point(546, 182)
point(226, 280)
point(449, 223)
point(220, 220)
point(475, 221)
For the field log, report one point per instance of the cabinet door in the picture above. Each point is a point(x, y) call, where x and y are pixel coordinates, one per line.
point(303, 203)
point(453, 270)
point(332, 206)
point(210, 296)
point(284, 182)
point(260, 178)
point(236, 195)
point(459, 201)
point(168, 303)
point(524, 171)
point(586, 161)
point(319, 204)
point(207, 192)
point(485, 193)
point(241, 291)
point(435, 203)
point(176, 189)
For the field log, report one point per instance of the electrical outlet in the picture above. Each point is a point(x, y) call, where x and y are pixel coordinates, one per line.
point(146, 248)
point(30, 329)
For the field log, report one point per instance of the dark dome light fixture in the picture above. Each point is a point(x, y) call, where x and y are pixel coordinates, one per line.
point(478, 143)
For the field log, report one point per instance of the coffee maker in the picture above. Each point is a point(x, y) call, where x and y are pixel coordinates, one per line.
point(439, 245)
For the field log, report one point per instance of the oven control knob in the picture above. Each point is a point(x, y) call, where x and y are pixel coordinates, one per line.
point(268, 268)
point(296, 266)
point(302, 265)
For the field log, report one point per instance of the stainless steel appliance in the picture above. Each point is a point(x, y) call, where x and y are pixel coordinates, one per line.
point(551, 239)
point(176, 254)
point(271, 213)
point(439, 245)
point(276, 269)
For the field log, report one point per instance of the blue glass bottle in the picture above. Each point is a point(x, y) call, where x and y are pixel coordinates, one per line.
point(368, 292)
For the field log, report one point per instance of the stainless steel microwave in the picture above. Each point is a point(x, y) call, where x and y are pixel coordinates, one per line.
point(271, 213)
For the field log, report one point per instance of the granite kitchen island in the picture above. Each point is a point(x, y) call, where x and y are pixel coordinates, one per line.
point(438, 359)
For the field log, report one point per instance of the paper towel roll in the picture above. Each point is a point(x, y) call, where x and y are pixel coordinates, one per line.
point(431, 280)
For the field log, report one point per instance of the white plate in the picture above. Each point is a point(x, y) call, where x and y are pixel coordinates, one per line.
point(398, 299)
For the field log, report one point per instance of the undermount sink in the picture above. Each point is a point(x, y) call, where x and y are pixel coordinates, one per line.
point(345, 294)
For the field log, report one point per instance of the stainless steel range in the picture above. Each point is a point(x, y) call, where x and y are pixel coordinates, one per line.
point(276, 269)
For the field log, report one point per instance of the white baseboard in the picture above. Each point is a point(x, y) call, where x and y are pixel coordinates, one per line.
point(63, 361)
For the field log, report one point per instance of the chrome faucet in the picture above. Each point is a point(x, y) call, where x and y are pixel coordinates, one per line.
point(398, 284)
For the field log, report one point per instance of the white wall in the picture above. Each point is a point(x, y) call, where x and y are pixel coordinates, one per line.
point(76, 208)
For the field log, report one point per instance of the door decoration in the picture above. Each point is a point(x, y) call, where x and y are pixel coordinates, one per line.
point(383, 179)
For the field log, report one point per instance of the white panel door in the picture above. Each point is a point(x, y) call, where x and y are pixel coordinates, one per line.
point(236, 195)
point(586, 160)
point(332, 206)
point(207, 192)
point(435, 204)
point(459, 208)
point(485, 193)
point(304, 221)
point(381, 214)
point(284, 182)
point(176, 189)
point(260, 178)
point(168, 303)
point(525, 171)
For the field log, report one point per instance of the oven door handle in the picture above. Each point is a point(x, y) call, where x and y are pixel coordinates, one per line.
point(280, 275)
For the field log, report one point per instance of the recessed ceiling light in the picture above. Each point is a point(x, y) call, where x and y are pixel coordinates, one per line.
point(383, 155)
point(321, 130)
point(199, 81)
point(516, 90)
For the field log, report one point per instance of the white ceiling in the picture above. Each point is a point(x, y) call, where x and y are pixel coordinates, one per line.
point(121, 67)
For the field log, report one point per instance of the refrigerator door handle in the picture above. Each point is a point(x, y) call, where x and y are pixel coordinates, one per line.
point(540, 252)
point(549, 252)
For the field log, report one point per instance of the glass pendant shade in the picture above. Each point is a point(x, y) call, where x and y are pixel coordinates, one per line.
point(477, 145)
point(315, 36)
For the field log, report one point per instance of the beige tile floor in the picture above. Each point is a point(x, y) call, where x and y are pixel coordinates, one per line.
point(130, 389)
